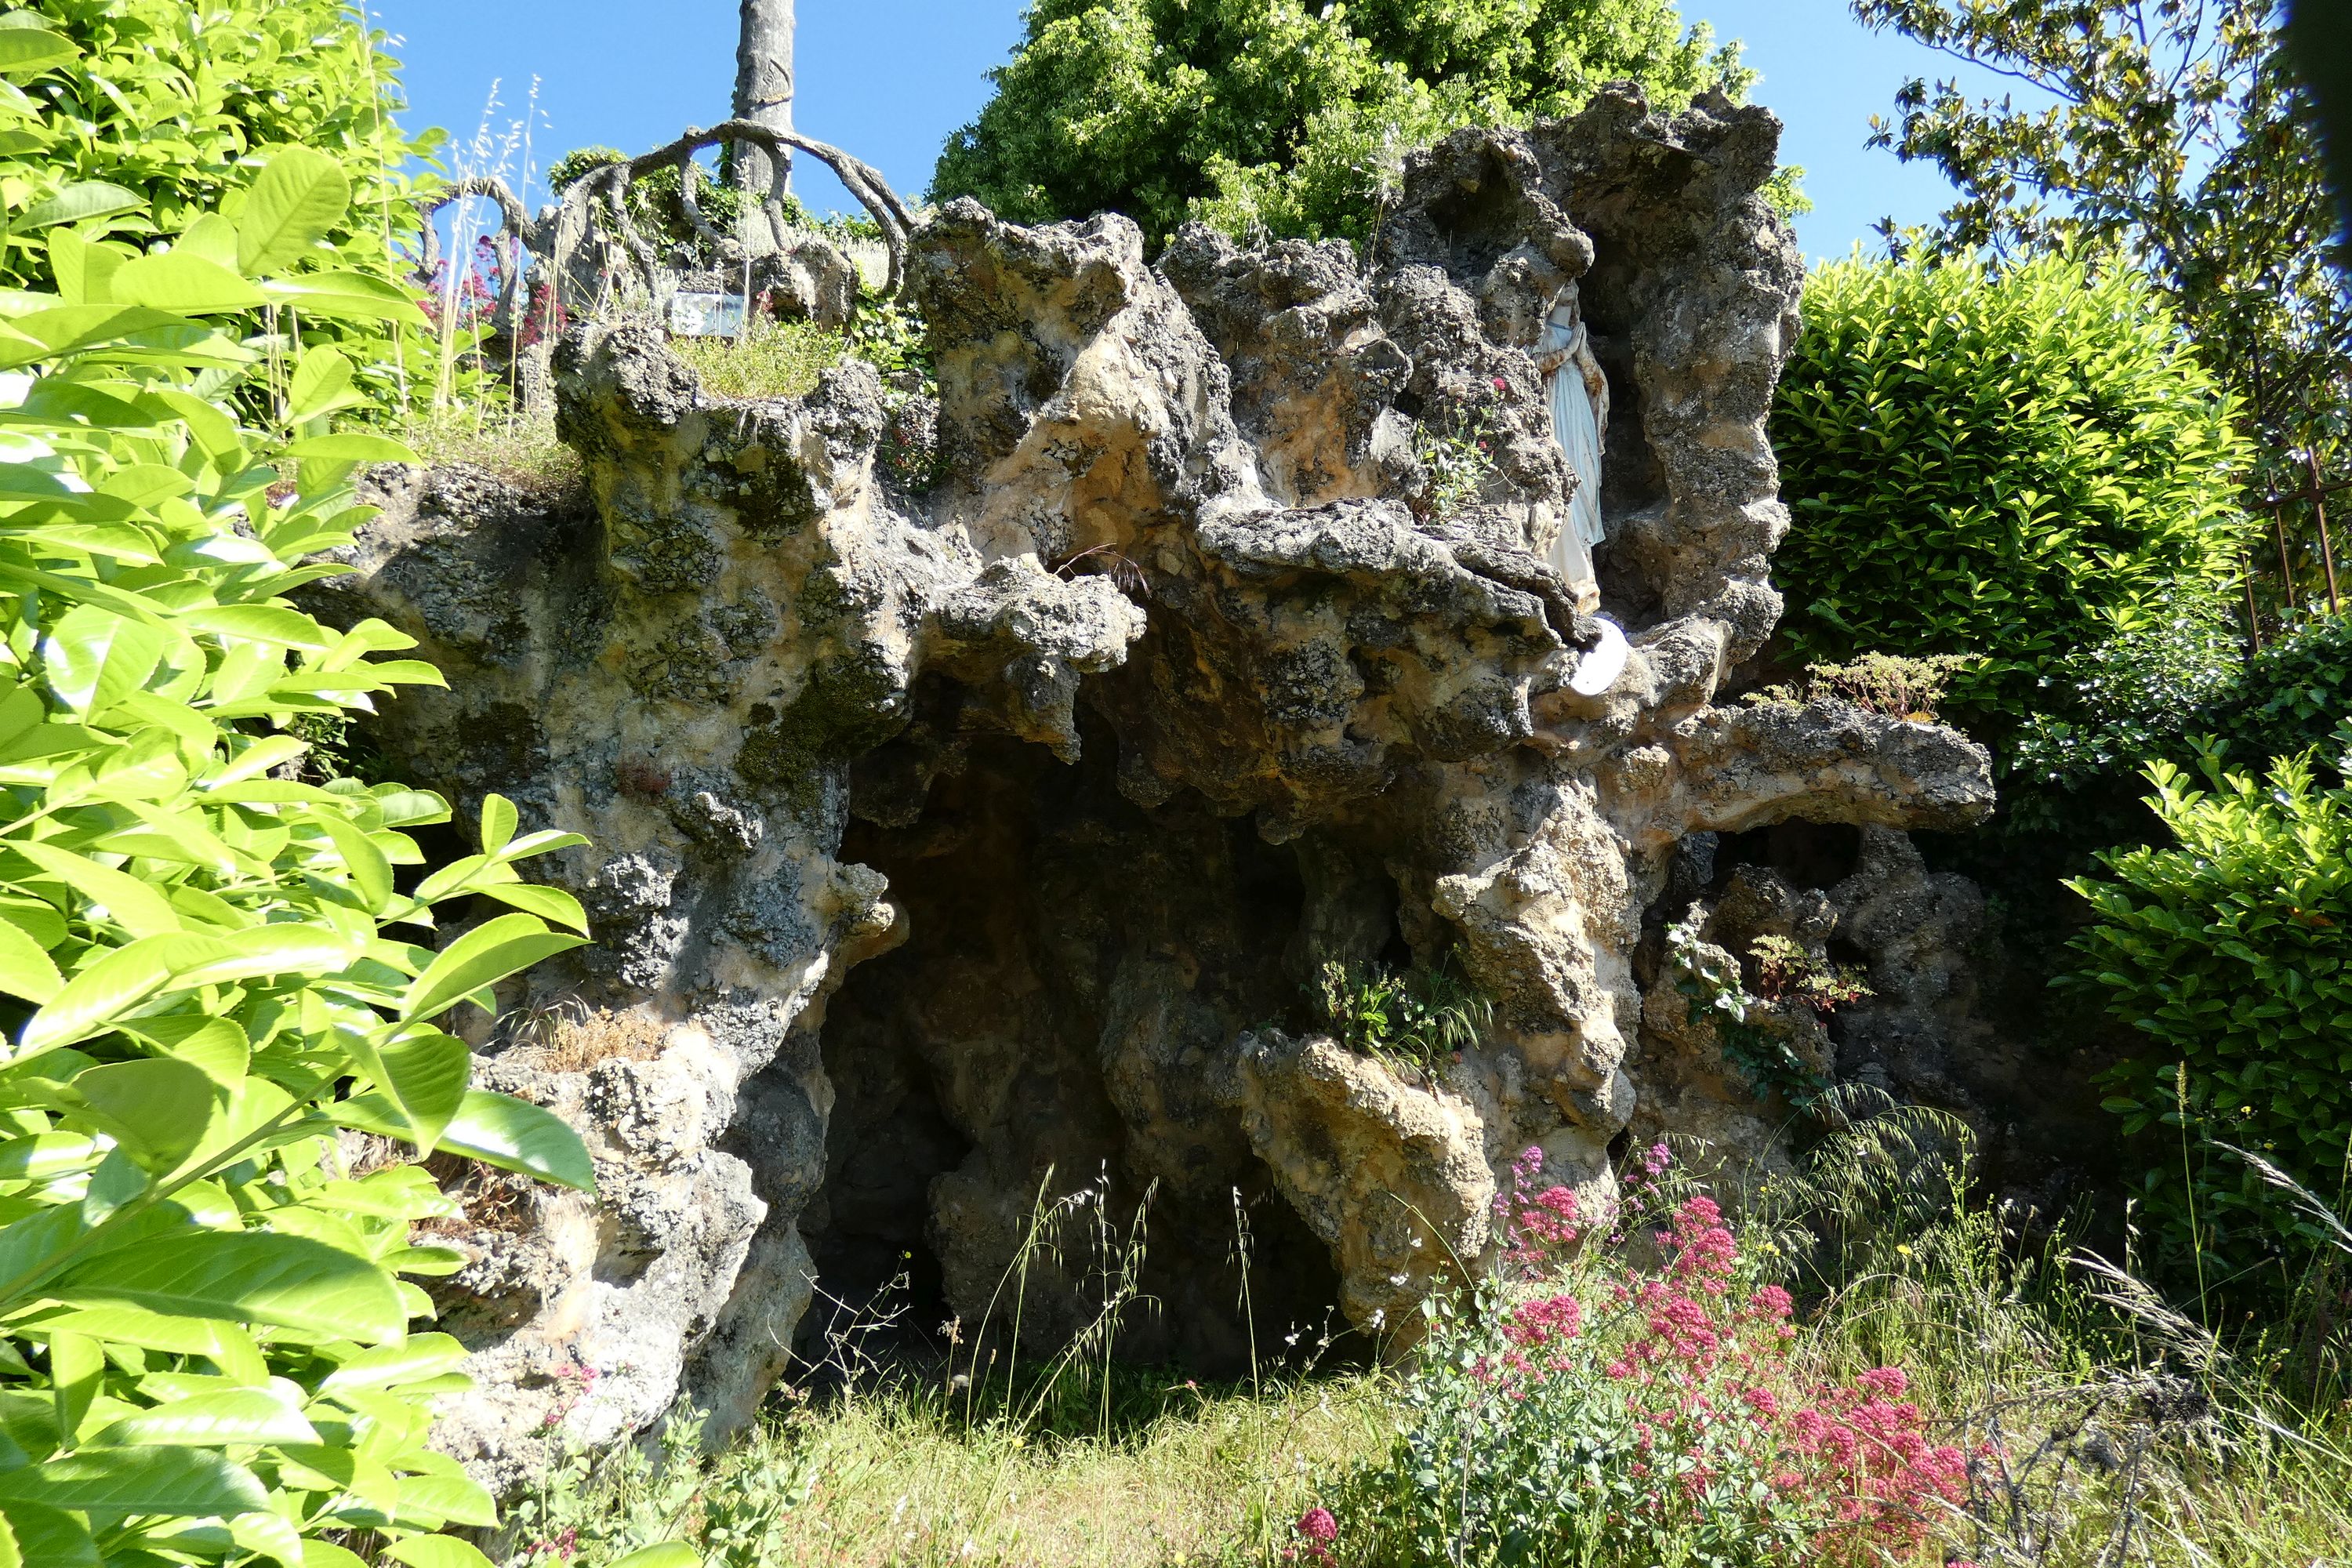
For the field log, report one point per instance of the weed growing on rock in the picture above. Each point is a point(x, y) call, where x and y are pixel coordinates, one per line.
point(1415, 1020)
point(1883, 683)
point(774, 359)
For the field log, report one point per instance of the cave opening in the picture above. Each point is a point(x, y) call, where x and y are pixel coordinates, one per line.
point(1048, 1034)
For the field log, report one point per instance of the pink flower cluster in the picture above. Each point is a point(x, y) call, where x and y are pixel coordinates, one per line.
point(1710, 1378)
point(1317, 1530)
point(1696, 1364)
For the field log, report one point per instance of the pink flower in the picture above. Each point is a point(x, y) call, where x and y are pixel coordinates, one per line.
point(1317, 1525)
point(1502, 385)
point(1887, 1381)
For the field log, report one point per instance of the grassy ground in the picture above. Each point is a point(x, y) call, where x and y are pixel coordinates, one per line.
point(778, 359)
point(902, 1476)
point(2108, 1430)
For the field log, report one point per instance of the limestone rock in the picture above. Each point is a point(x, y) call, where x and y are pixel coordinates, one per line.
point(972, 786)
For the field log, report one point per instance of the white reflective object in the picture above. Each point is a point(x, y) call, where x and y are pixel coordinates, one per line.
point(1579, 396)
point(1597, 671)
point(698, 315)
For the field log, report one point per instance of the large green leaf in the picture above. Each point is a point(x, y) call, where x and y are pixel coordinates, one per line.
point(27, 50)
point(418, 1357)
point(350, 295)
point(438, 1500)
point(93, 660)
point(292, 1281)
point(225, 1344)
point(111, 1482)
point(483, 956)
point(78, 202)
point(137, 907)
point(301, 194)
point(668, 1554)
point(160, 1107)
point(25, 970)
point(271, 624)
point(350, 447)
point(322, 385)
point(211, 1421)
point(426, 1075)
point(514, 1135)
point(49, 1537)
point(435, 1551)
point(120, 979)
point(178, 281)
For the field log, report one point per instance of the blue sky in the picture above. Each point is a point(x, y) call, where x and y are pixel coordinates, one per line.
point(890, 78)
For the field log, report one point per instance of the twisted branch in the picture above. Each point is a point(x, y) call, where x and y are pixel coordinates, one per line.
point(555, 238)
point(514, 229)
point(860, 178)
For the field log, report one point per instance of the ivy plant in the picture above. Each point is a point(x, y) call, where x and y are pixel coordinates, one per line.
point(211, 972)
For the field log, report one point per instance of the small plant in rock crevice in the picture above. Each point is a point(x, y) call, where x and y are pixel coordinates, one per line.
point(1786, 975)
point(1456, 453)
point(1415, 1020)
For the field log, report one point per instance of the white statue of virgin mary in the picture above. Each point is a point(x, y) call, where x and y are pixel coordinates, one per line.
point(1579, 415)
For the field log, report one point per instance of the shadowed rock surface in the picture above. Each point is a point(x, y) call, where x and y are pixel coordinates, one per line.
point(964, 846)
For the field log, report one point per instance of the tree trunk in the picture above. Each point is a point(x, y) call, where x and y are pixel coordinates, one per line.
point(763, 84)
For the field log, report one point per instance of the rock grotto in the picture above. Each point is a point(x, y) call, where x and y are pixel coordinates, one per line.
point(975, 782)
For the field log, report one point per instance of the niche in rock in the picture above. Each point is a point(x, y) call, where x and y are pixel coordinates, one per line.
point(1002, 1125)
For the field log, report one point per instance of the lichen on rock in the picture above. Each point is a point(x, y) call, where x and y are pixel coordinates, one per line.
point(961, 838)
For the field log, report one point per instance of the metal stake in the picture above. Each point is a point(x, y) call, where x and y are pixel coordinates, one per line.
point(2253, 621)
point(2326, 547)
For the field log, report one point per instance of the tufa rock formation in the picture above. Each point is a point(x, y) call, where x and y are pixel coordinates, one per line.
point(974, 786)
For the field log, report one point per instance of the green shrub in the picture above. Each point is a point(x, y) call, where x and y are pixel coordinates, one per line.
point(129, 120)
point(2169, 688)
point(208, 968)
point(2016, 465)
point(1413, 1020)
point(1249, 112)
point(2231, 951)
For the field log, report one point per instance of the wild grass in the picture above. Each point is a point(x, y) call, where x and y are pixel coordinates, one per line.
point(2105, 1427)
point(898, 1476)
point(774, 359)
point(518, 448)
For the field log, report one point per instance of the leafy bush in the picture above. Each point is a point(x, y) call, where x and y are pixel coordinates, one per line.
point(1883, 683)
point(208, 966)
point(135, 117)
point(2171, 687)
point(1249, 112)
point(1413, 1019)
point(2231, 951)
point(2015, 464)
point(1588, 1409)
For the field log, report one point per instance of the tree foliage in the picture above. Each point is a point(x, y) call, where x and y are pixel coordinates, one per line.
point(2171, 131)
point(1276, 113)
point(2012, 463)
point(208, 968)
point(2228, 951)
point(129, 120)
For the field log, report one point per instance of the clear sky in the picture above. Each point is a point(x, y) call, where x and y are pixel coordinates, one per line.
point(889, 80)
